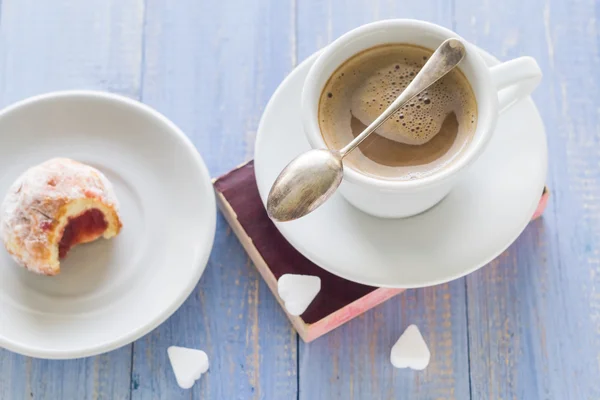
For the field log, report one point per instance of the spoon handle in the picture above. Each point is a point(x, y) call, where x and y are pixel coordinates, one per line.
point(443, 60)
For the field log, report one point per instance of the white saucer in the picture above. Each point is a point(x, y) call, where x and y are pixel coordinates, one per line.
point(109, 292)
point(480, 218)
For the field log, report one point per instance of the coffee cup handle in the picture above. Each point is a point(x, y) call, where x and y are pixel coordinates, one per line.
point(515, 80)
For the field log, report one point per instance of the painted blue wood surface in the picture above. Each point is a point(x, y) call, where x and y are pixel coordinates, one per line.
point(526, 327)
point(211, 67)
point(534, 314)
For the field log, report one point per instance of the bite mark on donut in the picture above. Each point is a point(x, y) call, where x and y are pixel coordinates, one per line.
point(84, 228)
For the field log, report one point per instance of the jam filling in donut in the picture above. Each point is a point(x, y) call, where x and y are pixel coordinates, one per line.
point(84, 228)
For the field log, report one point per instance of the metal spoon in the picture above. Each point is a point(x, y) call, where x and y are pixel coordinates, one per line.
point(312, 177)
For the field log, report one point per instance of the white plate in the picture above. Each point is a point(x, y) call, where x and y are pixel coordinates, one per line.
point(109, 292)
point(480, 218)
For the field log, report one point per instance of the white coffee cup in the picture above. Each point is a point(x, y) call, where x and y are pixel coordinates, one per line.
point(496, 89)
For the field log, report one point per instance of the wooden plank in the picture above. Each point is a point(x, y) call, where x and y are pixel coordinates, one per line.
point(211, 67)
point(534, 314)
point(103, 377)
point(56, 45)
point(67, 44)
point(352, 362)
point(322, 21)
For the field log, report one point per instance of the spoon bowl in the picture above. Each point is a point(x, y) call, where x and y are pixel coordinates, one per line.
point(296, 193)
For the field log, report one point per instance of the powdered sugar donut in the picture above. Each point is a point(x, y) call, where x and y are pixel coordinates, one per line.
point(53, 207)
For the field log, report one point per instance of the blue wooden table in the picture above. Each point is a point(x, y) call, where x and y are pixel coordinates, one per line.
point(525, 327)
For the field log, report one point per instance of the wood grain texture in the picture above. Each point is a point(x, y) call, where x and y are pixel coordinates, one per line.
point(103, 377)
point(534, 314)
point(56, 45)
point(352, 362)
point(211, 67)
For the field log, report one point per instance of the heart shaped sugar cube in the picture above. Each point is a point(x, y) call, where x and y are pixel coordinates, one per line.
point(410, 351)
point(188, 365)
point(298, 291)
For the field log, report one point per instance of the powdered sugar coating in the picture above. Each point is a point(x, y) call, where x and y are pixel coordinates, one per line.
point(35, 205)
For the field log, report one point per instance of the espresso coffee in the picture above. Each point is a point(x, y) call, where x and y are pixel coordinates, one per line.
point(423, 137)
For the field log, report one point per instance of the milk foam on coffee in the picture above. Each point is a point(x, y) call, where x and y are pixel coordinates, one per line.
point(421, 138)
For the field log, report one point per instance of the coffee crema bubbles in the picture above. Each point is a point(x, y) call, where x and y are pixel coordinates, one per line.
point(422, 137)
